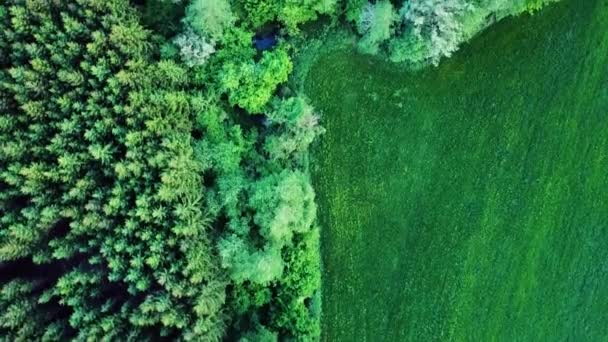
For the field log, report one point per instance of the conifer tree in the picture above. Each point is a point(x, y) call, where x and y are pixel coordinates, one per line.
point(98, 172)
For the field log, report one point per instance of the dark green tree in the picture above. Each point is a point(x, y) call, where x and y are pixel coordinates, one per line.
point(98, 172)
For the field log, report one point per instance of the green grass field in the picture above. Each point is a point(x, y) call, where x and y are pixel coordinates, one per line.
point(469, 202)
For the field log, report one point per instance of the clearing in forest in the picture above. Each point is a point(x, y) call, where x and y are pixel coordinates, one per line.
point(468, 201)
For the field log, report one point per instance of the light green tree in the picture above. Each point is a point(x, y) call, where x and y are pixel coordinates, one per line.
point(376, 25)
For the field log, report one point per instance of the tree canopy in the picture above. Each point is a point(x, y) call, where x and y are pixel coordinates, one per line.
point(139, 197)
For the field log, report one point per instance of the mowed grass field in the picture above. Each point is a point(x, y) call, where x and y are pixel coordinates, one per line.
point(469, 202)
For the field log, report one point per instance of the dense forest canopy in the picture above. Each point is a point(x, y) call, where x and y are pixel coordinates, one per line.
point(141, 195)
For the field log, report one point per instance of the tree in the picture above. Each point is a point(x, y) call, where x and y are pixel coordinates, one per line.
point(209, 18)
point(296, 12)
point(250, 85)
point(434, 30)
point(535, 5)
point(141, 206)
point(295, 126)
point(99, 184)
point(354, 8)
point(247, 263)
point(376, 25)
point(283, 205)
point(261, 334)
point(195, 50)
point(290, 13)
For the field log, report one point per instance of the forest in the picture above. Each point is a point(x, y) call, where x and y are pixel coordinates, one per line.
point(163, 162)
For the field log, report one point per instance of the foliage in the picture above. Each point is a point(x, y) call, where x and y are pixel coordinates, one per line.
point(139, 197)
point(411, 49)
point(250, 84)
point(353, 9)
point(290, 13)
point(261, 334)
point(434, 27)
point(292, 315)
point(296, 127)
point(121, 173)
point(535, 5)
point(376, 25)
point(287, 257)
point(429, 30)
point(194, 49)
point(163, 16)
point(98, 172)
point(296, 12)
point(209, 18)
point(284, 206)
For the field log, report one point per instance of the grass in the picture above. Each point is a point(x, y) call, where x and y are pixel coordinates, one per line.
point(469, 202)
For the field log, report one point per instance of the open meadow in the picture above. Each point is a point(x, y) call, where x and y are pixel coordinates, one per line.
point(468, 202)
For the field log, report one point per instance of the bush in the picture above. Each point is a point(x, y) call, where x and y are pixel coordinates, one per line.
point(290, 13)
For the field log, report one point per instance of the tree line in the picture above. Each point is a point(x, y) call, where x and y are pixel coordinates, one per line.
point(421, 33)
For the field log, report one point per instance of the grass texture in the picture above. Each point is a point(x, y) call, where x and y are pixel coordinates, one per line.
point(469, 202)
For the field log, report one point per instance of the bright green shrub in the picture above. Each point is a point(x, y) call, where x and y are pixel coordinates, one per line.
point(535, 5)
point(296, 12)
point(291, 313)
point(259, 12)
point(261, 334)
point(284, 206)
point(409, 48)
point(283, 256)
point(250, 85)
point(290, 13)
point(247, 263)
point(353, 9)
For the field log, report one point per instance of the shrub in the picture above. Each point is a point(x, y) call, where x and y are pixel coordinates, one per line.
point(353, 9)
point(284, 206)
point(290, 13)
